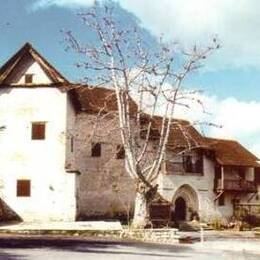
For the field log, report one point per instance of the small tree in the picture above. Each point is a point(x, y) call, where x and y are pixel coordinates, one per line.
point(123, 61)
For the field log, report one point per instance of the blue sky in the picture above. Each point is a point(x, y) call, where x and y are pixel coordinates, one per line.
point(231, 79)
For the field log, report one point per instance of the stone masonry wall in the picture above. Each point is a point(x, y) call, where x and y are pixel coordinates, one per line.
point(104, 189)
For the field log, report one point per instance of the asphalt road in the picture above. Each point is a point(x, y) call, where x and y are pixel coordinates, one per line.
point(13, 248)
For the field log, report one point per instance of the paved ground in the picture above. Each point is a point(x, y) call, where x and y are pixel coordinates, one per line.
point(64, 226)
point(14, 248)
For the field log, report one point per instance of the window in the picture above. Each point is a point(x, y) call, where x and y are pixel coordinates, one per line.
point(28, 78)
point(193, 163)
point(38, 130)
point(241, 173)
point(23, 188)
point(120, 152)
point(221, 200)
point(71, 144)
point(96, 150)
point(187, 163)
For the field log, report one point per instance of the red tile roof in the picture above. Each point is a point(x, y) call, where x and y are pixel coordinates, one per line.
point(96, 99)
point(182, 134)
point(230, 152)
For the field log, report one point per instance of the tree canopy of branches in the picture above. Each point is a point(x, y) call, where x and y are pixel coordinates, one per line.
point(120, 59)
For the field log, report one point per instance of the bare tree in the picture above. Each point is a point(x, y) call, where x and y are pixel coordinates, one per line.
point(121, 60)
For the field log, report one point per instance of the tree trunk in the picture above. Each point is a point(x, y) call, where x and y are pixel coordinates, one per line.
point(141, 211)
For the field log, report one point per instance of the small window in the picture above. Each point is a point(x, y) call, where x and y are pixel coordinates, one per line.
point(71, 144)
point(120, 152)
point(23, 188)
point(96, 150)
point(38, 130)
point(221, 200)
point(28, 78)
point(187, 163)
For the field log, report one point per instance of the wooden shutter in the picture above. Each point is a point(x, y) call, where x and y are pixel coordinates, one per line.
point(23, 188)
point(28, 78)
point(38, 131)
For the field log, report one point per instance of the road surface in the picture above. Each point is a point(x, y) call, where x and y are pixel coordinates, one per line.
point(14, 248)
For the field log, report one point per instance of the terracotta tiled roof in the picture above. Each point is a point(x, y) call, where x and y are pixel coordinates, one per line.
point(24, 52)
point(182, 134)
point(96, 99)
point(230, 152)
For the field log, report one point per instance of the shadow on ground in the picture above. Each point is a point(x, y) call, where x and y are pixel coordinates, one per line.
point(96, 247)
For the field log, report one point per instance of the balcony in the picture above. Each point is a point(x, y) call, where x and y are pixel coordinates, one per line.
point(236, 185)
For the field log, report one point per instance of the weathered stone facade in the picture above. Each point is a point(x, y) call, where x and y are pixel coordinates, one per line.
point(104, 189)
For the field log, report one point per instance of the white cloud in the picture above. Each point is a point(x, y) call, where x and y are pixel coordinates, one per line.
point(236, 22)
point(239, 119)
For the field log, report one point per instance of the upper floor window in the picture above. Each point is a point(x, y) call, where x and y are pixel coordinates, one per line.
point(193, 164)
point(23, 188)
point(96, 150)
point(187, 163)
point(120, 152)
point(28, 78)
point(38, 130)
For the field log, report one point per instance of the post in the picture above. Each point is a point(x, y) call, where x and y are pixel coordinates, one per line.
point(222, 177)
point(201, 234)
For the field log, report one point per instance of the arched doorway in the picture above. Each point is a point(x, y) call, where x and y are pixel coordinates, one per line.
point(180, 209)
point(184, 203)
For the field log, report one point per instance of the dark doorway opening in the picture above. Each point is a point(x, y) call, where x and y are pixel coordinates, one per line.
point(180, 209)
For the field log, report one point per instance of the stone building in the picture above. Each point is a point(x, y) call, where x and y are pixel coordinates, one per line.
point(51, 168)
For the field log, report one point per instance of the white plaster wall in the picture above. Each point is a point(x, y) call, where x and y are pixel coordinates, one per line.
point(202, 185)
point(41, 161)
point(39, 76)
point(70, 136)
point(226, 211)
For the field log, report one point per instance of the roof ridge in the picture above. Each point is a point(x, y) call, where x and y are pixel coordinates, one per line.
point(11, 63)
point(221, 139)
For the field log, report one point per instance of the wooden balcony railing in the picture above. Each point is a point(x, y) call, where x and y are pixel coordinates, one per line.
point(236, 185)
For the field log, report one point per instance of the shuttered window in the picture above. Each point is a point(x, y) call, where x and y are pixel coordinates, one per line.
point(38, 130)
point(23, 188)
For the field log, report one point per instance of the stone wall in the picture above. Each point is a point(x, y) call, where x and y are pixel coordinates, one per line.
point(104, 189)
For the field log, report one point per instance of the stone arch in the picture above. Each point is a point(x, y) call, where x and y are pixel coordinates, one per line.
point(189, 195)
